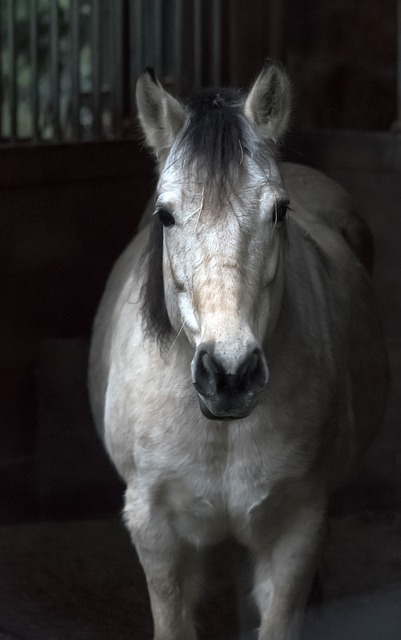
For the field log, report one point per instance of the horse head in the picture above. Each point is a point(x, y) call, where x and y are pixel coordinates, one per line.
point(216, 247)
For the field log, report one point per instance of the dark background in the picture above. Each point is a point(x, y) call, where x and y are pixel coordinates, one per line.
point(67, 211)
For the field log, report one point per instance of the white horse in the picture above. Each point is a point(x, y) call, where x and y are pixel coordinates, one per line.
point(237, 367)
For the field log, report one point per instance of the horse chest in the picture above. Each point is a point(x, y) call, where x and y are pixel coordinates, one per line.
point(209, 491)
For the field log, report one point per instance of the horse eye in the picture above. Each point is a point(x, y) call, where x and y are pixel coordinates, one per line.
point(280, 211)
point(165, 217)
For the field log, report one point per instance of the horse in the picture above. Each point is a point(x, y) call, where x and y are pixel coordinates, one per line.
point(237, 365)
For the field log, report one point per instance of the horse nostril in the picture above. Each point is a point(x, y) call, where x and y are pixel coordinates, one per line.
point(254, 372)
point(210, 376)
point(205, 373)
point(251, 364)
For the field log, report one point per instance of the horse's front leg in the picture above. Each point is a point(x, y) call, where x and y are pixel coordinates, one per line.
point(170, 565)
point(285, 560)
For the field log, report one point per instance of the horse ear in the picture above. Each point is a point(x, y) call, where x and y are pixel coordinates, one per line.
point(268, 104)
point(161, 116)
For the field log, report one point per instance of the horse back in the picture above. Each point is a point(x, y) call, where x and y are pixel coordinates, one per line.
point(320, 200)
point(330, 256)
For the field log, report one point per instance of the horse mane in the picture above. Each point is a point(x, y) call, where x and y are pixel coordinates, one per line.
point(156, 322)
point(213, 143)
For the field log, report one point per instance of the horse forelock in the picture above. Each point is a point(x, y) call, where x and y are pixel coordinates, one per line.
point(215, 139)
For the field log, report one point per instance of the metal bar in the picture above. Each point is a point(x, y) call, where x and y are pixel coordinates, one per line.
point(54, 69)
point(197, 50)
point(146, 34)
point(233, 44)
point(34, 70)
point(157, 36)
point(96, 68)
point(74, 70)
point(275, 32)
point(136, 19)
point(2, 75)
point(116, 70)
point(178, 49)
point(216, 42)
point(12, 52)
point(126, 66)
point(399, 66)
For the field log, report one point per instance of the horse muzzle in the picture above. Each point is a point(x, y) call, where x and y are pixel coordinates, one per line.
point(228, 391)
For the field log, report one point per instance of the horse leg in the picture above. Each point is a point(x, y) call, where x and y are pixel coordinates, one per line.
point(171, 568)
point(171, 591)
point(284, 568)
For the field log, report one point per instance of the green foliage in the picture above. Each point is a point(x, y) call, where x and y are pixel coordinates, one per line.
point(21, 72)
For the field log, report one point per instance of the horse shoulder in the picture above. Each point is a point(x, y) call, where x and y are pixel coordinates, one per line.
point(122, 290)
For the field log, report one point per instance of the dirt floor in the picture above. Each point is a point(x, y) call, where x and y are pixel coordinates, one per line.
point(82, 581)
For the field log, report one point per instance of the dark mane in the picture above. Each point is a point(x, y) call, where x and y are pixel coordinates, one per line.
point(213, 142)
point(156, 322)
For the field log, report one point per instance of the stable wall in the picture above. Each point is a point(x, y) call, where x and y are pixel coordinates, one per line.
point(66, 212)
